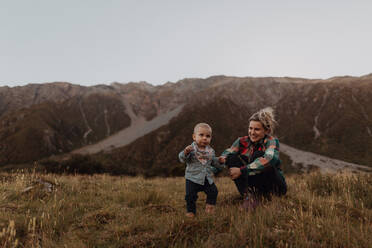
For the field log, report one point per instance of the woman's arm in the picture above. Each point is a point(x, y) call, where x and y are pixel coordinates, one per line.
point(234, 149)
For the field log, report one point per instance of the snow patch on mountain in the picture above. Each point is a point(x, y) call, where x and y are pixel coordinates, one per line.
point(138, 128)
point(325, 164)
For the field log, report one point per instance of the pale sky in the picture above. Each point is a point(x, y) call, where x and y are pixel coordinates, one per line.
point(92, 42)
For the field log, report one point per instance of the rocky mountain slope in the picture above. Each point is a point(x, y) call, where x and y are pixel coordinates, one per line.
point(332, 117)
point(228, 115)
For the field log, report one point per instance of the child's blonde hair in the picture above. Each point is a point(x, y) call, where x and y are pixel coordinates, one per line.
point(267, 119)
point(203, 125)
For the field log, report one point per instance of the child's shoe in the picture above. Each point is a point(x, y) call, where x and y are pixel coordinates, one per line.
point(190, 215)
point(209, 209)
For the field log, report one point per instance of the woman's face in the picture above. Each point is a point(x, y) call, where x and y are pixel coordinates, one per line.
point(256, 131)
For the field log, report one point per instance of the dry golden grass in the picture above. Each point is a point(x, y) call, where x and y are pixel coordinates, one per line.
point(107, 211)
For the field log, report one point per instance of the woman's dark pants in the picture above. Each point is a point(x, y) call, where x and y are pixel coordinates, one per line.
point(264, 184)
point(192, 190)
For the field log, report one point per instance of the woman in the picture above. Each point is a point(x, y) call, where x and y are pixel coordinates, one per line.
point(253, 160)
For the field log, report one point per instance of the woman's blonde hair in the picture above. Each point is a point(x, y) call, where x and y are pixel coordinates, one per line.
point(267, 119)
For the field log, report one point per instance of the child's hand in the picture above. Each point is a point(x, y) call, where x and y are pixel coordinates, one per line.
point(222, 160)
point(188, 149)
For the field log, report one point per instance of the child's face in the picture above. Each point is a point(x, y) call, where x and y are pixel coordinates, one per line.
point(202, 136)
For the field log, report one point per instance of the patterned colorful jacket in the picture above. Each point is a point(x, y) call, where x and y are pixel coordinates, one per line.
point(244, 147)
point(196, 171)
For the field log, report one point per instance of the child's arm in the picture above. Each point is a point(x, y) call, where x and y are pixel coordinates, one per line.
point(217, 166)
point(185, 154)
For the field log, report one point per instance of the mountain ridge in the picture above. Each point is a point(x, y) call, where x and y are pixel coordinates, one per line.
point(313, 114)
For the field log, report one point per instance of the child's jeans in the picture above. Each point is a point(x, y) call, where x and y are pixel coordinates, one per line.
point(192, 190)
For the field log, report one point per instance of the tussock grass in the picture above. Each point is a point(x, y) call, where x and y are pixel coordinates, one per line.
point(108, 211)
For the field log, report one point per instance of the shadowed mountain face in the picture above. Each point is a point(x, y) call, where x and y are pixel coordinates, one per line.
point(52, 128)
point(331, 117)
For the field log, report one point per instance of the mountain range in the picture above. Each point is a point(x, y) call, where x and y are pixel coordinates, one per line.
point(141, 127)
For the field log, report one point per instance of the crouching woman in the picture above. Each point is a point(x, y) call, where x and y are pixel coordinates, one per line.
point(253, 160)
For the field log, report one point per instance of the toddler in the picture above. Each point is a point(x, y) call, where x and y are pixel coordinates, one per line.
point(201, 164)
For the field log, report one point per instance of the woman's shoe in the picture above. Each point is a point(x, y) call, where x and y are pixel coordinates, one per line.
point(250, 202)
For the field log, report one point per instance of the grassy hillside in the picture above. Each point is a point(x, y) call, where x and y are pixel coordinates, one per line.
point(106, 211)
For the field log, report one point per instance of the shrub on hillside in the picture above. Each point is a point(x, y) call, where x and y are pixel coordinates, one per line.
point(82, 164)
point(77, 164)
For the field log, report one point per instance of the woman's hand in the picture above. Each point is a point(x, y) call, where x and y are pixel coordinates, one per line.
point(221, 159)
point(235, 173)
